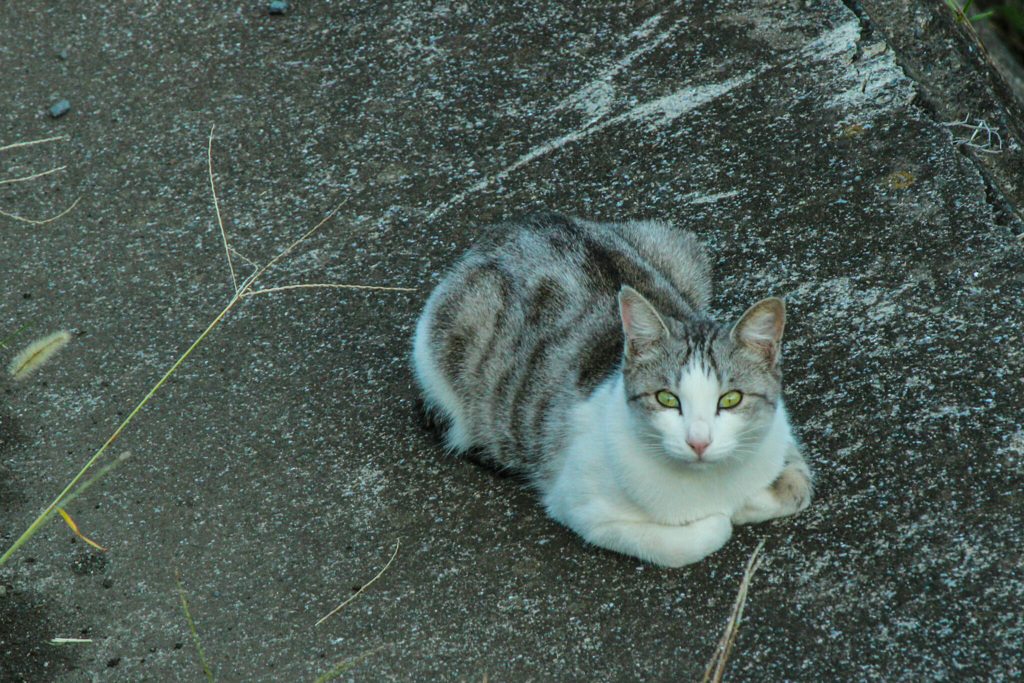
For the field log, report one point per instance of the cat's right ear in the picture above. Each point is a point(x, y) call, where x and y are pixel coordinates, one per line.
point(760, 328)
point(640, 322)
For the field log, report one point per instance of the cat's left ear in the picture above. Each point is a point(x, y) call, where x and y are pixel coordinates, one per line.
point(760, 328)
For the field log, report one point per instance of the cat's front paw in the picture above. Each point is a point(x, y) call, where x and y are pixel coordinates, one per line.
point(787, 495)
point(694, 541)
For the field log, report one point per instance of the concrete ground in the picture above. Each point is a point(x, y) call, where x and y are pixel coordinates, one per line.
point(279, 468)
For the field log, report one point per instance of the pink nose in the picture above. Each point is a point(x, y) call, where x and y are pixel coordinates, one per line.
point(698, 446)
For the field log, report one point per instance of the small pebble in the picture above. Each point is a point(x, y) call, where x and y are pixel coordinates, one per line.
point(62, 55)
point(60, 108)
point(277, 7)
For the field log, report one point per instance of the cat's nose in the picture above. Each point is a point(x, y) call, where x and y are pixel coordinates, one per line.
point(698, 446)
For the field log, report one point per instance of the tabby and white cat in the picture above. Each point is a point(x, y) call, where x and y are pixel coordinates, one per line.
point(579, 354)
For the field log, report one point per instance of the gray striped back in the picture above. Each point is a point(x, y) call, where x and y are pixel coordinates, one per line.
point(526, 325)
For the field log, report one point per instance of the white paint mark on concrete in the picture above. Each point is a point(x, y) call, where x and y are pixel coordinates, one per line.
point(655, 113)
point(1013, 453)
point(702, 198)
point(841, 39)
point(877, 82)
point(874, 80)
point(872, 85)
point(664, 110)
point(645, 29)
point(597, 97)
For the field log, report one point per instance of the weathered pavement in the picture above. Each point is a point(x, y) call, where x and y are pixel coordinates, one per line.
point(282, 464)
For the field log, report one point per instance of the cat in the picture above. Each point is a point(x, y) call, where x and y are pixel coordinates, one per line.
point(579, 354)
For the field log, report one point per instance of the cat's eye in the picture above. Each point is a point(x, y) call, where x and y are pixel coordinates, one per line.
point(667, 399)
point(730, 399)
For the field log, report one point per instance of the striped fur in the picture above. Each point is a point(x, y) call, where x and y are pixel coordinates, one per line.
point(553, 332)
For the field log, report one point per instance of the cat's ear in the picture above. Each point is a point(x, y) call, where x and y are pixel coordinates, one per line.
point(760, 328)
point(640, 322)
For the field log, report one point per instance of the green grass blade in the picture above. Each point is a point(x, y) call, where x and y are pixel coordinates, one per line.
point(192, 627)
point(48, 512)
point(1013, 15)
point(16, 332)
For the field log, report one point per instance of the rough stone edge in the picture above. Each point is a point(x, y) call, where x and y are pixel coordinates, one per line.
point(942, 79)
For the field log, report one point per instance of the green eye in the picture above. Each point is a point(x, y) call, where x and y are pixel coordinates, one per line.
point(730, 399)
point(667, 399)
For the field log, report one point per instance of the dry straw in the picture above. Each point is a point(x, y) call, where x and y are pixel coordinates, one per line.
point(33, 176)
point(343, 666)
point(30, 143)
point(364, 587)
point(716, 667)
point(243, 290)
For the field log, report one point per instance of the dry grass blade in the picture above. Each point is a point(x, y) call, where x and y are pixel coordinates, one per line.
point(22, 179)
point(74, 527)
point(328, 286)
point(45, 515)
point(246, 290)
point(247, 260)
point(31, 177)
point(716, 667)
point(240, 291)
point(335, 610)
point(299, 241)
point(29, 143)
point(344, 665)
point(216, 206)
point(993, 143)
point(44, 221)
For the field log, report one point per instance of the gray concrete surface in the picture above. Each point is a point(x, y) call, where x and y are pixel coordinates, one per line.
point(957, 78)
point(281, 465)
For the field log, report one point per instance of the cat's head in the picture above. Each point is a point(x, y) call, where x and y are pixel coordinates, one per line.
point(702, 391)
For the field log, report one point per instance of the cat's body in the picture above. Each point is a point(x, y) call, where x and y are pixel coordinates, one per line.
point(579, 354)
